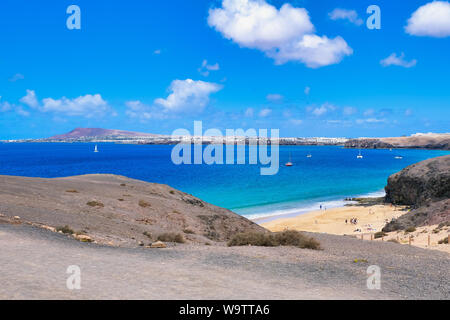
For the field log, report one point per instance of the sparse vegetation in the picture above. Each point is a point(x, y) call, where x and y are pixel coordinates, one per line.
point(95, 203)
point(120, 200)
point(285, 238)
point(123, 185)
point(171, 237)
point(188, 231)
point(144, 204)
point(72, 191)
point(172, 192)
point(380, 234)
point(66, 229)
point(393, 240)
point(443, 241)
point(444, 224)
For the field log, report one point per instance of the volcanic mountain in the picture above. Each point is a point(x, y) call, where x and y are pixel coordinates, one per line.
point(80, 133)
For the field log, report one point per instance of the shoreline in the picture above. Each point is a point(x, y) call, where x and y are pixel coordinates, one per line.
point(307, 207)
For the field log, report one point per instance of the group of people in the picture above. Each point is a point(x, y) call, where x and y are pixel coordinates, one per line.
point(352, 221)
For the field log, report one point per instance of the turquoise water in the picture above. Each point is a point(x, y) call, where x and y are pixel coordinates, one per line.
point(332, 173)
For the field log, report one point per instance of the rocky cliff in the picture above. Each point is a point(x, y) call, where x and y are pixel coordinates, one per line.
point(425, 186)
point(431, 141)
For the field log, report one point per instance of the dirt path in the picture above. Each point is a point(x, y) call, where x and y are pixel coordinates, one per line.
point(33, 265)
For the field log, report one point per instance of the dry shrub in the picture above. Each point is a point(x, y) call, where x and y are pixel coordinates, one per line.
point(72, 191)
point(95, 204)
point(144, 204)
point(285, 238)
point(171, 237)
point(380, 234)
point(443, 241)
point(66, 229)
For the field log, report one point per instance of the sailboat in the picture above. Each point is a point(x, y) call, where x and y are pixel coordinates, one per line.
point(398, 157)
point(309, 156)
point(96, 149)
point(289, 164)
point(359, 156)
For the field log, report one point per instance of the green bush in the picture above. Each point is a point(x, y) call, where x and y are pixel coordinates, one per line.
point(285, 238)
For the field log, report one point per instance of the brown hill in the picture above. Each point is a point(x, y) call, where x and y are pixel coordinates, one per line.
point(110, 208)
point(80, 133)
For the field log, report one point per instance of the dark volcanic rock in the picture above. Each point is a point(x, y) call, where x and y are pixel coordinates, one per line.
point(419, 183)
point(425, 186)
point(368, 144)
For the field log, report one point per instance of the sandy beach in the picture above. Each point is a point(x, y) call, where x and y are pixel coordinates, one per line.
point(371, 219)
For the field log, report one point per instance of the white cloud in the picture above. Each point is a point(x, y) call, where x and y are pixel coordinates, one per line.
point(7, 107)
point(432, 19)
point(296, 122)
point(322, 110)
point(369, 112)
point(87, 106)
point(265, 112)
point(344, 14)
point(284, 34)
point(188, 95)
point(314, 51)
point(136, 109)
point(157, 51)
point(307, 90)
point(408, 112)
point(348, 111)
point(370, 120)
point(17, 77)
point(394, 60)
point(274, 97)
point(30, 99)
point(206, 68)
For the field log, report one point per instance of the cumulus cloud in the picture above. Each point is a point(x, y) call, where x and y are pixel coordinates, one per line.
point(371, 121)
point(188, 95)
point(87, 106)
point(284, 34)
point(30, 99)
point(394, 60)
point(8, 107)
point(345, 14)
point(431, 19)
point(274, 97)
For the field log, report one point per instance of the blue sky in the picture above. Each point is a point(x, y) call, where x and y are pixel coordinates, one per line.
point(155, 66)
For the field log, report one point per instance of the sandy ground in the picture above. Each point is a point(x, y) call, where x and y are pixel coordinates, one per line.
point(34, 262)
point(371, 219)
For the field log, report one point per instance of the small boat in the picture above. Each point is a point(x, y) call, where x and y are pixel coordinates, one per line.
point(398, 157)
point(359, 156)
point(289, 164)
point(309, 156)
point(96, 149)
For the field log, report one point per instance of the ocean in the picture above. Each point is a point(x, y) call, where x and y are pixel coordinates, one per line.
point(329, 176)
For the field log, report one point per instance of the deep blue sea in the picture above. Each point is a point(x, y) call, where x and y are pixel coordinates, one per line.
point(332, 173)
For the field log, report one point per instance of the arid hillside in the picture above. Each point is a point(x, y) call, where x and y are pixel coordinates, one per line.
point(117, 210)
